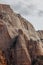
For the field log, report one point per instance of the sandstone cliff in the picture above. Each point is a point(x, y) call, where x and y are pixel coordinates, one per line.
point(20, 44)
point(40, 34)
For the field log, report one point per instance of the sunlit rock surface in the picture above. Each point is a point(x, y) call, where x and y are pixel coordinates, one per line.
point(20, 44)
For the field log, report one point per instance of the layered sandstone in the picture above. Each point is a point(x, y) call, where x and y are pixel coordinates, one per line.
point(19, 41)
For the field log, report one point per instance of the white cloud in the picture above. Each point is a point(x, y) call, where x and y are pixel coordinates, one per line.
point(7, 1)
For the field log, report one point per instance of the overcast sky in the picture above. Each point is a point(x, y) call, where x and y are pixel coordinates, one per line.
point(32, 10)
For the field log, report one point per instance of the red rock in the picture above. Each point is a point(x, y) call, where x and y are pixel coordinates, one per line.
point(19, 40)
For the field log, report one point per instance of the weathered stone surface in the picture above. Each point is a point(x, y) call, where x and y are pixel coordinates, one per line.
point(19, 41)
point(2, 58)
point(40, 34)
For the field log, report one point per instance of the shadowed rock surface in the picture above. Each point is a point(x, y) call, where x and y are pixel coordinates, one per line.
point(20, 44)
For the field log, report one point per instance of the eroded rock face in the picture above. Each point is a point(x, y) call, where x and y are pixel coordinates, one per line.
point(19, 41)
point(40, 34)
point(2, 58)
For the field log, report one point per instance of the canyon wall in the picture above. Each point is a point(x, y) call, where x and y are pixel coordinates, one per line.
point(20, 43)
